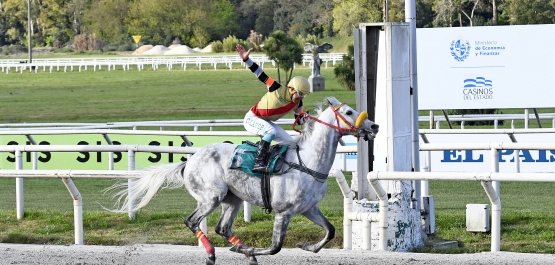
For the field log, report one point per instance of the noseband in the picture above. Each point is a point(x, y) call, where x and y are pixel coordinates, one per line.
point(338, 117)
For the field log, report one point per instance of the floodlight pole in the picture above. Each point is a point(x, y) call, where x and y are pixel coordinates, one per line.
point(29, 45)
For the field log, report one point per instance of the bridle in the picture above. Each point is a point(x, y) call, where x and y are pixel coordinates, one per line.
point(320, 177)
point(338, 117)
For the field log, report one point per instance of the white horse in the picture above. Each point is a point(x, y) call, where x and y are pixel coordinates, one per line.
point(208, 178)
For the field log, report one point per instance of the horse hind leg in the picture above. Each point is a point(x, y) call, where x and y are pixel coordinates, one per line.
point(231, 205)
point(193, 221)
point(316, 216)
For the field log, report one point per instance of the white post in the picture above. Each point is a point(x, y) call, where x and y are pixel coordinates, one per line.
point(347, 208)
point(130, 183)
point(247, 212)
point(77, 210)
point(496, 203)
point(526, 118)
point(19, 186)
point(495, 215)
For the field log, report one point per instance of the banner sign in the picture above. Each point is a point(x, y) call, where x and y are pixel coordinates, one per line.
point(485, 67)
point(530, 161)
point(99, 160)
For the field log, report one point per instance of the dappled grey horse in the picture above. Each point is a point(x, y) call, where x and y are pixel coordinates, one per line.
point(208, 178)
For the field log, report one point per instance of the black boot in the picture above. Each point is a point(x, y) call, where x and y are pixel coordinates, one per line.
point(260, 160)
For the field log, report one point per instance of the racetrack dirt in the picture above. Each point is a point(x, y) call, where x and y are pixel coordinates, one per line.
point(179, 254)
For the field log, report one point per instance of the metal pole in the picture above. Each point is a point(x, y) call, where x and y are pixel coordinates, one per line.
point(130, 183)
point(19, 186)
point(410, 17)
point(29, 45)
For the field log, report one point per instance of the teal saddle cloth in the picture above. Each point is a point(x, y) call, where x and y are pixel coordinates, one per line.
point(244, 154)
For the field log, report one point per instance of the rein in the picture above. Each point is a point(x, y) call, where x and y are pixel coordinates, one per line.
point(320, 177)
point(351, 128)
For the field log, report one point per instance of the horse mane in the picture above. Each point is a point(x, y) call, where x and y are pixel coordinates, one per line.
point(309, 125)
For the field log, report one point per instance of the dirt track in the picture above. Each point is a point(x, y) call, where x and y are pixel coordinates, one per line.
point(172, 254)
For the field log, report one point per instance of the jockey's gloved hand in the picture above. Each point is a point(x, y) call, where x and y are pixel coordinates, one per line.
point(301, 120)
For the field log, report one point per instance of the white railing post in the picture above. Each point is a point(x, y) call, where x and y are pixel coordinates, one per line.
point(130, 183)
point(496, 204)
point(77, 209)
point(19, 186)
point(247, 210)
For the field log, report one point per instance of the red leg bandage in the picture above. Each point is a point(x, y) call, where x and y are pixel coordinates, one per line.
point(235, 241)
point(205, 241)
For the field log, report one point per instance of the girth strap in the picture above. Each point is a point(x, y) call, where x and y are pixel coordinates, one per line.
point(265, 189)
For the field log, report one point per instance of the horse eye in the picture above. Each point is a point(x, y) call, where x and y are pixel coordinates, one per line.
point(349, 112)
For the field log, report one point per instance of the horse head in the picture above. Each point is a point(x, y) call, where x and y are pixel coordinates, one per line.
point(351, 122)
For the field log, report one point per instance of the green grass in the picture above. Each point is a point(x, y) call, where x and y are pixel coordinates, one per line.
point(526, 216)
point(107, 96)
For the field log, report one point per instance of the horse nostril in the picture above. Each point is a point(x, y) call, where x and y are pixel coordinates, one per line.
point(375, 127)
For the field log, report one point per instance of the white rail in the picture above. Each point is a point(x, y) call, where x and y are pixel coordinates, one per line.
point(67, 175)
point(139, 63)
point(489, 180)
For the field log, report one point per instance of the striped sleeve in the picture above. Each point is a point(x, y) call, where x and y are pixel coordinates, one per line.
point(299, 109)
point(259, 72)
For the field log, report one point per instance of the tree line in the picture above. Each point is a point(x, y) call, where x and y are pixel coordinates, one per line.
point(57, 23)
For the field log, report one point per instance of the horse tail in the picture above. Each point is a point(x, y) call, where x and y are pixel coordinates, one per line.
point(146, 186)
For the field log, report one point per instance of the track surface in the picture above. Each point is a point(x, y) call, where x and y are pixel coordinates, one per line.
point(173, 254)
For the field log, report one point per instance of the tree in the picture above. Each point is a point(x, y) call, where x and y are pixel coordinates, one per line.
point(519, 12)
point(348, 14)
point(424, 14)
point(75, 13)
point(285, 51)
point(15, 14)
point(160, 22)
point(106, 19)
point(226, 24)
point(257, 15)
point(451, 13)
point(345, 72)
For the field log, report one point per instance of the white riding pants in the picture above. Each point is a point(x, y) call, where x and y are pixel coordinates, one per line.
point(260, 127)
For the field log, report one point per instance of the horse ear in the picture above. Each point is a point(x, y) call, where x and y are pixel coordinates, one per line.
point(332, 101)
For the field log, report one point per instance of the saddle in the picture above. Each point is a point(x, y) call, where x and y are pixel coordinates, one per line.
point(244, 154)
point(243, 159)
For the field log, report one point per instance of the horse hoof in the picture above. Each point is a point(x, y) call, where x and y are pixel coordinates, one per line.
point(236, 248)
point(304, 245)
point(211, 260)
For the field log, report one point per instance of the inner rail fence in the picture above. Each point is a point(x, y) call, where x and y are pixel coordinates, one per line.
point(215, 123)
point(155, 62)
point(66, 175)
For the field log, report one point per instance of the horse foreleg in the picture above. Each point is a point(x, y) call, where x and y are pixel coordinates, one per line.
point(280, 227)
point(316, 216)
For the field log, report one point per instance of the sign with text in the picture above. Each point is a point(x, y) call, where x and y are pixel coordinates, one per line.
point(480, 160)
point(99, 160)
point(485, 67)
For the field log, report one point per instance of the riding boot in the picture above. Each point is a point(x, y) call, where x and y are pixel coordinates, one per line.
point(260, 160)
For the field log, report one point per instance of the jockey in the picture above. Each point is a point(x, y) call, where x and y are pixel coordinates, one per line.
point(277, 102)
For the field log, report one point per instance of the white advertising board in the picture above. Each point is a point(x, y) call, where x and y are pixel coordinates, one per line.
point(486, 67)
point(530, 161)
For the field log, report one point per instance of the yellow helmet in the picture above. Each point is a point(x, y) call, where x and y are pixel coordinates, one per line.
point(300, 83)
